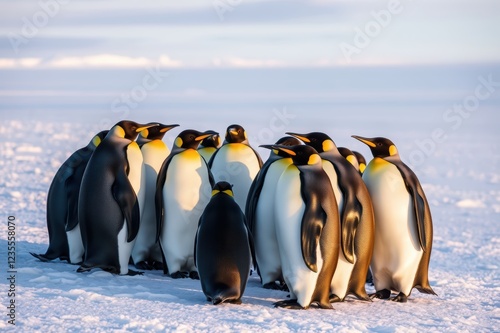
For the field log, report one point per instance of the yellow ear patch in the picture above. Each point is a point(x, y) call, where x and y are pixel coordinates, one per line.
point(245, 134)
point(228, 192)
point(276, 151)
point(352, 159)
point(145, 133)
point(178, 142)
point(314, 159)
point(362, 167)
point(393, 150)
point(119, 131)
point(96, 140)
point(328, 145)
point(214, 192)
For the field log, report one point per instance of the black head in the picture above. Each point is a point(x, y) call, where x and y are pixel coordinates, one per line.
point(300, 154)
point(349, 155)
point(157, 132)
point(96, 140)
point(236, 134)
point(191, 138)
point(223, 187)
point(380, 147)
point(129, 129)
point(361, 161)
point(212, 141)
point(318, 140)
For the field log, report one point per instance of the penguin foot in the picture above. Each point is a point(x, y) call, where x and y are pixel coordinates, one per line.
point(275, 286)
point(400, 298)
point(334, 298)
point(40, 257)
point(133, 273)
point(179, 275)
point(157, 265)
point(143, 265)
point(83, 269)
point(382, 294)
point(194, 275)
point(289, 304)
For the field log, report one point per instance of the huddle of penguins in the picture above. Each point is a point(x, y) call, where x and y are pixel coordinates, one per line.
point(314, 219)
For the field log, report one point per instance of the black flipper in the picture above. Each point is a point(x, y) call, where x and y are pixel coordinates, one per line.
point(72, 190)
point(352, 210)
point(160, 182)
point(418, 197)
point(313, 221)
point(124, 195)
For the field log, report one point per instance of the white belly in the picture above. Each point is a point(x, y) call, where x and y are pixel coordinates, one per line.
point(266, 244)
point(186, 193)
point(136, 170)
point(124, 249)
point(237, 164)
point(396, 252)
point(289, 209)
point(75, 245)
point(154, 153)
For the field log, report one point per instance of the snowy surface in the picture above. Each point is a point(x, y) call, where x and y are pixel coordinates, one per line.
point(461, 177)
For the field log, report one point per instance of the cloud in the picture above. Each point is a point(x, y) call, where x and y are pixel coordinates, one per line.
point(7, 63)
point(234, 62)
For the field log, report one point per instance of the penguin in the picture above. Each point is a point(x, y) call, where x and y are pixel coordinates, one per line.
point(110, 200)
point(356, 219)
point(307, 229)
point(209, 146)
point(349, 156)
point(259, 211)
point(403, 224)
point(361, 161)
point(222, 248)
point(146, 254)
point(236, 162)
point(182, 191)
point(65, 239)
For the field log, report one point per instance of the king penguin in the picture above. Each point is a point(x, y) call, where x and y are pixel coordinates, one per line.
point(65, 239)
point(307, 229)
point(222, 248)
point(356, 218)
point(361, 161)
point(146, 253)
point(209, 146)
point(259, 212)
point(403, 223)
point(236, 162)
point(110, 200)
point(182, 191)
point(349, 156)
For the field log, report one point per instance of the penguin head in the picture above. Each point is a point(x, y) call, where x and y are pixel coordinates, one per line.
point(129, 129)
point(300, 154)
point(191, 138)
point(211, 141)
point(380, 147)
point(222, 187)
point(321, 142)
point(96, 140)
point(349, 155)
point(156, 132)
point(285, 141)
point(236, 134)
point(361, 161)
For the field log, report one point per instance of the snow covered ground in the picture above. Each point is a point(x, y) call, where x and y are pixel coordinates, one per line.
point(461, 177)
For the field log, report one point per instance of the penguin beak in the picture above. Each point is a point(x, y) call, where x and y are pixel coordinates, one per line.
point(301, 137)
point(205, 135)
point(284, 149)
point(366, 141)
point(143, 127)
point(166, 128)
point(233, 131)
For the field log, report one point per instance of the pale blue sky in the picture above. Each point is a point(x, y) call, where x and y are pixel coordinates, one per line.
point(246, 33)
